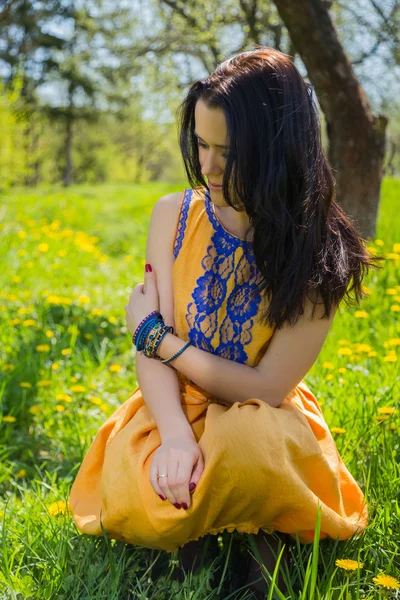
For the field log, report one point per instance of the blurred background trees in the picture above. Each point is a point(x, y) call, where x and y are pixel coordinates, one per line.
point(89, 89)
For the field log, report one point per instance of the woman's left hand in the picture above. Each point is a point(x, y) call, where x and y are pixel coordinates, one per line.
point(143, 300)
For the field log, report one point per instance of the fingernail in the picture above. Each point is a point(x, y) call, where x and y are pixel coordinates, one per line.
point(185, 506)
point(177, 505)
point(148, 267)
point(162, 497)
point(192, 486)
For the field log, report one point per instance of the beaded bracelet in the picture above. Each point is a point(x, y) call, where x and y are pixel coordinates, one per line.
point(149, 335)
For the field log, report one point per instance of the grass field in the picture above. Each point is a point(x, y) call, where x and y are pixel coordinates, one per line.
point(70, 259)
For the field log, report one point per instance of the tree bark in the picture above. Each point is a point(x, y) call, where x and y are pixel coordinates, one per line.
point(356, 137)
point(68, 152)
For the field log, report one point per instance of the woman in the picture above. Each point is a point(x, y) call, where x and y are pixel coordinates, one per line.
point(263, 256)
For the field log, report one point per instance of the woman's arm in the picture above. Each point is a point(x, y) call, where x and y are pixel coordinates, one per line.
point(226, 379)
point(290, 355)
point(159, 385)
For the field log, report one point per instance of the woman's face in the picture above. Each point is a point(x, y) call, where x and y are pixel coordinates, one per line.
point(211, 133)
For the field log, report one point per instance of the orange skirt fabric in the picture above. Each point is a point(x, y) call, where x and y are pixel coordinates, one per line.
point(265, 468)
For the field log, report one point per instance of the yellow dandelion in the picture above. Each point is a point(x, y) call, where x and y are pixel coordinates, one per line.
point(328, 365)
point(22, 234)
point(394, 342)
point(53, 299)
point(58, 508)
point(344, 342)
point(16, 278)
point(393, 255)
point(29, 322)
point(373, 353)
point(83, 299)
point(329, 377)
point(21, 473)
point(104, 407)
point(366, 290)
point(391, 291)
point(30, 264)
point(387, 410)
point(88, 336)
point(62, 253)
point(55, 366)
point(379, 242)
point(342, 370)
point(381, 418)
point(97, 312)
point(44, 383)
point(338, 430)
point(395, 308)
point(49, 333)
point(386, 581)
point(344, 352)
point(92, 386)
point(65, 397)
point(348, 564)
point(9, 419)
point(396, 298)
point(43, 348)
point(77, 388)
point(361, 314)
point(112, 320)
point(43, 247)
point(59, 407)
point(321, 402)
point(362, 348)
point(35, 409)
point(128, 258)
point(396, 247)
point(393, 427)
point(95, 400)
point(115, 368)
point(15, 321)
point(66, 351)
point(25, 384)
point(390, 358)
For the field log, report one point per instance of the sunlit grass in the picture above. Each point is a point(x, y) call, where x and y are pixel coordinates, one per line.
point(69, 262)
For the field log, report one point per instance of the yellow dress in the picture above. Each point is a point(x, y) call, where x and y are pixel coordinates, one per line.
point(265, 468)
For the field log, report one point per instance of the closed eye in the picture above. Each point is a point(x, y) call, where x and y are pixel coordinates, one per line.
point(224, 155)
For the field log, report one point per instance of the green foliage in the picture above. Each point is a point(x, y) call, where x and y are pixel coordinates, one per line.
point(13, 132)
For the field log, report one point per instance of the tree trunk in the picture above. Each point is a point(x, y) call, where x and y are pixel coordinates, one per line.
point(356, 137)
point(68, 152)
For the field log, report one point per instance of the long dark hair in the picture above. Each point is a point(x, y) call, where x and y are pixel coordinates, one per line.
point(302, 240)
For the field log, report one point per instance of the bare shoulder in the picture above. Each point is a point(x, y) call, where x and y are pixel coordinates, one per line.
point(173, 201)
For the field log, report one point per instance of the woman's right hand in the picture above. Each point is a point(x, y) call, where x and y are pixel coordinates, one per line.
point(181, 457)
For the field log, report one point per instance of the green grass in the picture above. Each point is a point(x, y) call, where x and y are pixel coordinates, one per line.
point(70, 295)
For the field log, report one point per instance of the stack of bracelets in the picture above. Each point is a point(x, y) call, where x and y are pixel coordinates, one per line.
point(149, 334)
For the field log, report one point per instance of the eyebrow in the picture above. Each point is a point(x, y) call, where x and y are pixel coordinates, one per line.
point(218, 146)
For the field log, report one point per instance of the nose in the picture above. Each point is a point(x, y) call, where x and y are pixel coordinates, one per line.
point(210, 167)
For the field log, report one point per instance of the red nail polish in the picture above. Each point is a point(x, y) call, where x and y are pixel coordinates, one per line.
point(185, 506)
point(148, 268)
point(192, 486)
point(177, 505)
point(162, 497)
